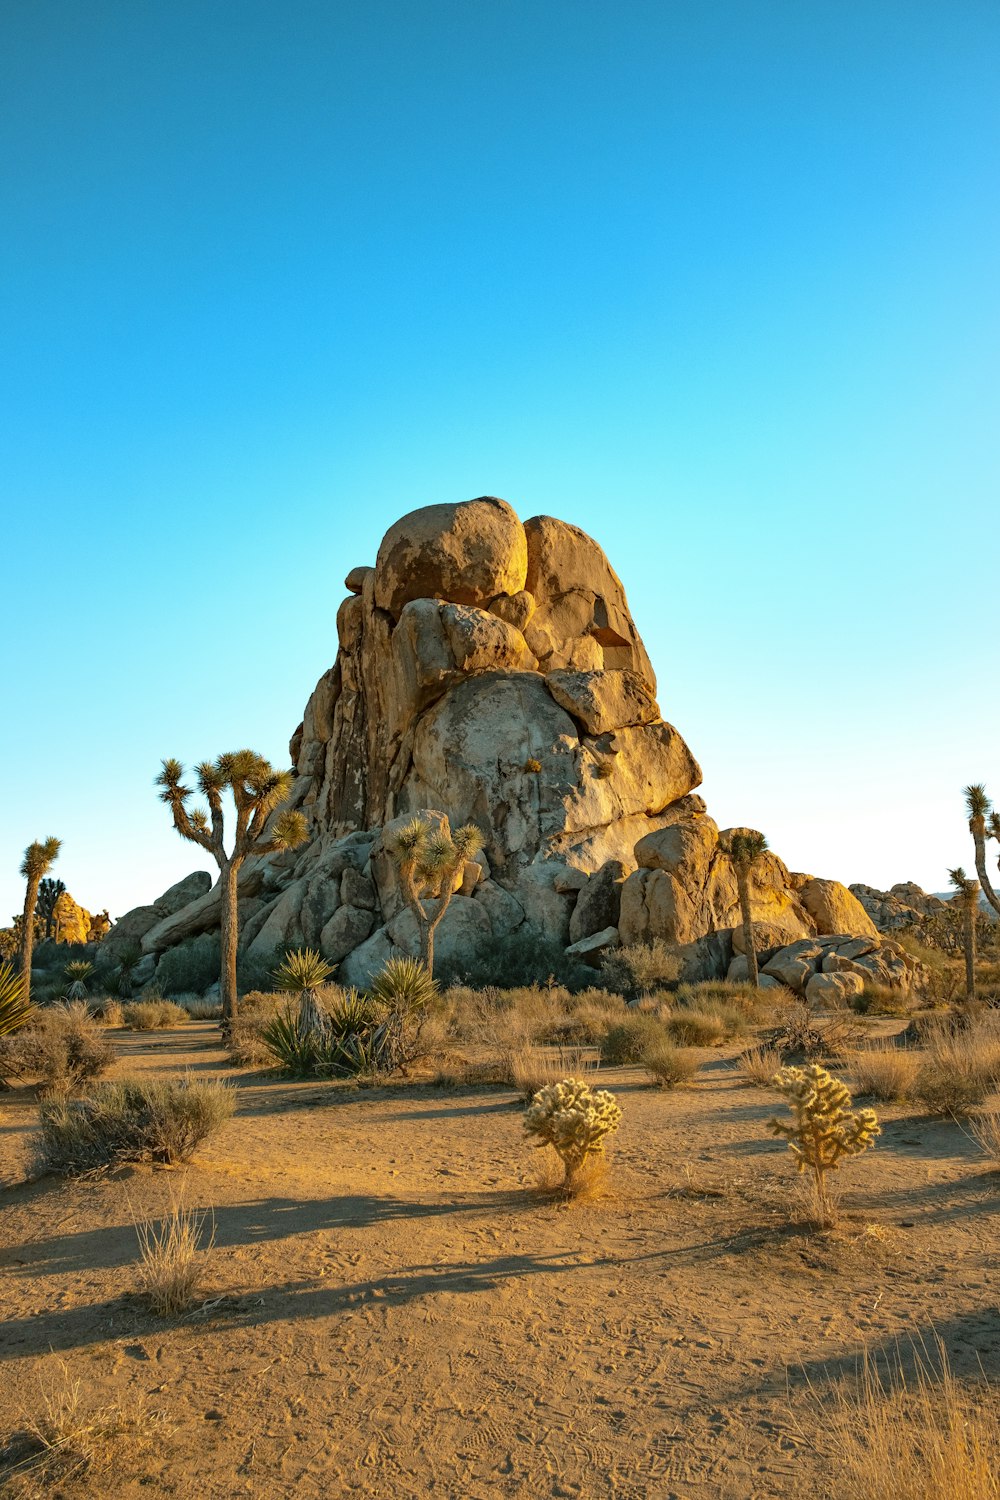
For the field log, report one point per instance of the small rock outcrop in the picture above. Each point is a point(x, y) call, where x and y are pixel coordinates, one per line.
point(490, 672)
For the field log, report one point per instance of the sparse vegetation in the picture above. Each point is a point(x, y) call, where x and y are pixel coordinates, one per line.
point(959, 1070)
point(758, 1066)
point(985, 1130)
point(639, 968)
point(631, 1038)
point(132, 1119)
point(73, 1440)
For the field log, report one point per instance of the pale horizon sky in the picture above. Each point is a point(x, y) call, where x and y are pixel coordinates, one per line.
point(716, 284)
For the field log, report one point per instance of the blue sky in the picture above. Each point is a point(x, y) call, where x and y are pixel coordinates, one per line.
point(715, 282)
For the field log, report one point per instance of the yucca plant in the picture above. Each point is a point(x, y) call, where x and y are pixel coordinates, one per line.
point(404, 984)
point(428, 860)
point(78, 972)
point(968, 895)
point(38, 860)
point(15, 1009)
point(262, 826)
point(302, 973)
point(745, 850)
point(984, 823)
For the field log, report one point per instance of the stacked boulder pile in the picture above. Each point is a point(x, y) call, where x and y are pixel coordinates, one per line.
point(490, 672)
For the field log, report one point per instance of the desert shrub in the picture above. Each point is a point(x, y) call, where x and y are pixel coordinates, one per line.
point(802, 1035)
point(881, 1000)
point(583, 1018)
point(62, 1048)
point(668, 1065)
point(640, 967)
point(356, 1035)
point(758, 1065)
point(750, 1003)
point(190, 967)
point(512, 961)
point(169, 1261)
point(404, 984)
point(960, 1069)
point(698, 1028)
point(150, 1015)
point(246, 1045)
point(574, 1121)
point(132, 1119)
point(885, 1072)
point(198, 1008)
point(823, 1129)
point(631, 1038)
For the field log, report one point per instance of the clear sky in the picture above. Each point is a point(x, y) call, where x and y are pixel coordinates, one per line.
point(716, 282)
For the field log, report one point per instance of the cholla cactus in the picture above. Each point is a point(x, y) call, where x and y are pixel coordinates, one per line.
point(825, 1129)
point(573, 1120)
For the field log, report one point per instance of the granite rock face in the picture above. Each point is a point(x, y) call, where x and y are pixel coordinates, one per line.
point(491, 672)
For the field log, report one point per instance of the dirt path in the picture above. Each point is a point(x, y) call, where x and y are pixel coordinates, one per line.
point(395, 1310)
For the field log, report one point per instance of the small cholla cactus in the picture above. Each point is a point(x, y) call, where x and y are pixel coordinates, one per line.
point(573, 1120)
point(824, 1129)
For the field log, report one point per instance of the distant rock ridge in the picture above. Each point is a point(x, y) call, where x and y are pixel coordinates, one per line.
point(491, 672)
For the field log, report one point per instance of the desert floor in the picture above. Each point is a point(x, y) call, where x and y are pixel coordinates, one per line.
point(393, 1307)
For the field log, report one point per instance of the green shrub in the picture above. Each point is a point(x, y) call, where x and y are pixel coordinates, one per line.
point(62, 1048)
point(132, 1119)
point(668, 1065)
point(515, 961)
point(632, 1038)
point(191, 967)
point(356, 1035)
point(640, 968)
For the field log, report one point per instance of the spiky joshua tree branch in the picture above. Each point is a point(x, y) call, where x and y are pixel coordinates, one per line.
point(38, 861)
point(257, 791)
point(968, 892)
point(428, 860)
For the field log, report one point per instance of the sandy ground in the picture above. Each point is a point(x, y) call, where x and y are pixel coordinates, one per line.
point(393, 1308)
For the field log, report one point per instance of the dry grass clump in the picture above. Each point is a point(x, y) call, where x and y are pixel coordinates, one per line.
point(702, 1027)
point(198, 1008)
point(131, 1119)
point(923, 1438)
point(668, 1065)
point(633, 1037)
point(150, 1015)
point(71, 1440)
point(985, 1130)
point(752, 1004)
point(960, 1070)
point(885, 1072)
point(529, 1070)
point(108, 1011)
point(882, 1000)
point(245, 1042)
point(171, 1258)
point(62, 1047)
point(758, 1065)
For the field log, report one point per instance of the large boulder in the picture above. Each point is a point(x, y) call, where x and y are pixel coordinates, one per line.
point(466, 553)
point(834, 909)
point(598, 906)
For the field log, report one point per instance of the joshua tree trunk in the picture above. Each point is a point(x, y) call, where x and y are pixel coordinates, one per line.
point(970, 913)
point(28, 933)
point(743, 883)
point(979, 839)
point(229, 933)
point(431, 924)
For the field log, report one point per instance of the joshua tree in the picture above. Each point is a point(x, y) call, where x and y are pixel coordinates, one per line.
point(745, 849)
point(984, 824)
point(48, 899)
point(38, 861)
point(428, 861)
point(968, 890)
point(258, 790)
